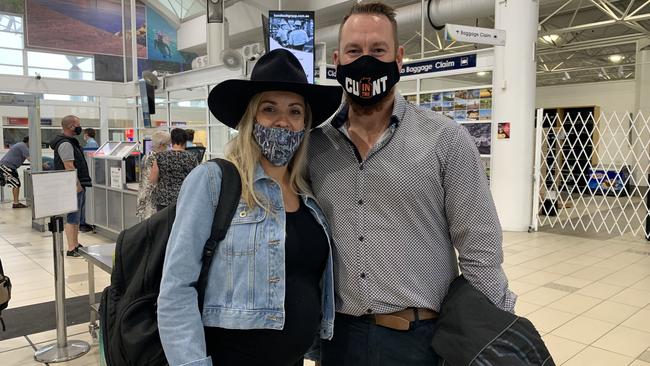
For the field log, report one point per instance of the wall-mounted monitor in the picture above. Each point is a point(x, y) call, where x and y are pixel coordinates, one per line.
point(294, 31)
point(147, 145)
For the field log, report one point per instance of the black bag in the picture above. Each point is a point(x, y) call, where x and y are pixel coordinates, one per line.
point(129, 325)
point(471, 331)
point(5, 293)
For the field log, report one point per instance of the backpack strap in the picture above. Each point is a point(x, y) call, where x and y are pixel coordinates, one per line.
point(228, 200)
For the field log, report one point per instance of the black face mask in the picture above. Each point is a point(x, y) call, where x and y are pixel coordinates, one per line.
point(77, 130)
point(367, 80)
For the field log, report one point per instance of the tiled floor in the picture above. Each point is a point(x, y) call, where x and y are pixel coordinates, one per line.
point(589, 298)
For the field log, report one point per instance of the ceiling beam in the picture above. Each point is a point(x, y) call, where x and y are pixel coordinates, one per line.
point(572, 69)
point(599, 43)
point(555, 12)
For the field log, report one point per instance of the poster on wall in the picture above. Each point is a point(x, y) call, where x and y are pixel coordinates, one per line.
point(161, 39)
point(465, 105)
point(12, 6)
point(294, 31)
point(91, 27)
point(482, 134)
point(411, 98)
point(503, 131)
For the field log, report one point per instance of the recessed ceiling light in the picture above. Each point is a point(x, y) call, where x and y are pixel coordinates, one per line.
point(616, 58)
point(550, 38)
point(481, 73)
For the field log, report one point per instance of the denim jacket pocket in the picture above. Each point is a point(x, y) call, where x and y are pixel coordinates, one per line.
point(241, 237)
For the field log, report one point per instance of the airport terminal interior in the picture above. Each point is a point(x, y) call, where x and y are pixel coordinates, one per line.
point(555, 94)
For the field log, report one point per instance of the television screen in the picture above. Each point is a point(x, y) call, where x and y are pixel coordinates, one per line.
point(146, 146)
point(294, 31)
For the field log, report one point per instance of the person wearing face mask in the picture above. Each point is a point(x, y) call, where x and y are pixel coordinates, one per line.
point(270, 289)
point(68, 155)
point(403, 188)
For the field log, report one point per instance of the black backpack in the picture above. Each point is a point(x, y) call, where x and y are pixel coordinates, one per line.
point(129, 327)
point(5, 293)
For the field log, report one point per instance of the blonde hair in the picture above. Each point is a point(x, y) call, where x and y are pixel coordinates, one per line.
point(245, 153)
point(160, 138)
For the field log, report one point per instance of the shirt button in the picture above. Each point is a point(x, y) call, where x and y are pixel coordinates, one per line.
point(369, 311)
point(363, 275)
point(361, 238)
point(360, 166)
point(361, 202)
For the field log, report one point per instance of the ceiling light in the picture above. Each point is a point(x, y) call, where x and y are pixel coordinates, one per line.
point(566, 76)
point(481, 73)
point(616, 58)
point(550, 38)
point(406, 59)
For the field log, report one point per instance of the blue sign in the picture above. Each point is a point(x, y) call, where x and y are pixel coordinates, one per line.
point(438, 65)
point(429, 66)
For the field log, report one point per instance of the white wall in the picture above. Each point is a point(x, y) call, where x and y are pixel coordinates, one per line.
point(192, 33)
point(614, 96)
point(616, 100)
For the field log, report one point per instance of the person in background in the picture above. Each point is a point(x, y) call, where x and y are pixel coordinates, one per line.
point(269, 292)
point(9, 165)
point(89, 137)
point(160, 140)
point(68, 155)
point(298, 37)
point(405, 191)
point(91, 144)
point(190, 137)
point(169, 169)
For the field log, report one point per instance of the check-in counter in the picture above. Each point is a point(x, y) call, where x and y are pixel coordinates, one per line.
point(112, 201)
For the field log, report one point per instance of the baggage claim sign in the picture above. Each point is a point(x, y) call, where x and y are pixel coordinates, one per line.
point(429, 66)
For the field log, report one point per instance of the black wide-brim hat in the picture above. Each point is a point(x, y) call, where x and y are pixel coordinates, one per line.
point(278, 70)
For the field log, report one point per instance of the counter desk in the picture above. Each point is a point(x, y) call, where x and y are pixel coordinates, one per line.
point(111, 203)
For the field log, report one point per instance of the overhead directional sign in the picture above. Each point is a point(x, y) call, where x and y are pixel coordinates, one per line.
point(428, 66)
point(464, 33)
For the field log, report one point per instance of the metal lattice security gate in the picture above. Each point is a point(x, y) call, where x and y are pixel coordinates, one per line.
point(592, 171)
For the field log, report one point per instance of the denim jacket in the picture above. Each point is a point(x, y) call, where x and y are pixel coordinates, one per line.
point(246, 284)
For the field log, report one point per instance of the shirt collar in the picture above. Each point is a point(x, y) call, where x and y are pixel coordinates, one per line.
point(260, 173)
point(399, 109)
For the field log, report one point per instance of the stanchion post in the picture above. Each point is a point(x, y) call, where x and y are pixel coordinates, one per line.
point(62, 350)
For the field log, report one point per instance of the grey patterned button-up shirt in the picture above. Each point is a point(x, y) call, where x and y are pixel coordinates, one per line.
point(397, 216)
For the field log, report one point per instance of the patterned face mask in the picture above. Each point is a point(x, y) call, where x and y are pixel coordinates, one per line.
point(277, 144)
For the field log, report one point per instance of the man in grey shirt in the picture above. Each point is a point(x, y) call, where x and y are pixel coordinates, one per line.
point(403, 189)
point(68, 155)
point(9, 165)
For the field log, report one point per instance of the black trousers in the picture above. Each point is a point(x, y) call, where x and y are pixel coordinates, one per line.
point(358, 341)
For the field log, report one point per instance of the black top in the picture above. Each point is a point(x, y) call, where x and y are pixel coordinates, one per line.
point(306, 253)
point(80, 164)
point(173, 167)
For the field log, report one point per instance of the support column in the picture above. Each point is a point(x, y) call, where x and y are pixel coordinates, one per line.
point(216, 41)
point(641, 135)
point(104, 106)
point(513, 101)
